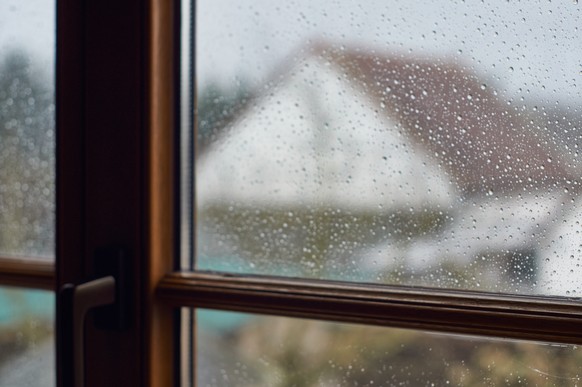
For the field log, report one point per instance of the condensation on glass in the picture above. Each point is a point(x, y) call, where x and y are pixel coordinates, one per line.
point(27, 185)
point(249, 350)
point(26, 338)
point(27, 128)
point(395, 142)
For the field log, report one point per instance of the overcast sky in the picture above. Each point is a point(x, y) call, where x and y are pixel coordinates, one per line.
point(517, 45)
point(530, 49)
point(30, 26)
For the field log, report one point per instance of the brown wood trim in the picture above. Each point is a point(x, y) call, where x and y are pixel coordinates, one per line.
point(27, 272)
point(162, 51)
point(515, 317)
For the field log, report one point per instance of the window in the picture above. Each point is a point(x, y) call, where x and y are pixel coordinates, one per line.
point(118, 184)
point(411, 147)
point(27, 179)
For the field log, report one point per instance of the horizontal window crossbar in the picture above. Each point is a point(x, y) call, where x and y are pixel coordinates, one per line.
point(27, 273)
point(503, 316)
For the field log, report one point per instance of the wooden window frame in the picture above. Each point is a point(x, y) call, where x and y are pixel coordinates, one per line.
point(116, 110)
point(136, 205)
point(129, 49)
point(29, 273)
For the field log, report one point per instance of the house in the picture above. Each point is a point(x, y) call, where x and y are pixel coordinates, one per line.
point(501, 242)
point(561, 252)
point(404, 161)
point(315, 136)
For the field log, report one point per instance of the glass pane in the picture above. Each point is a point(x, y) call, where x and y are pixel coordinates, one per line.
point(248, 350)
point(27, 128)
point(412, 143)
point(27, 355)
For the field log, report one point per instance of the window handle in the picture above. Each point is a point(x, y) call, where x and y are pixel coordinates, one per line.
point(77, 301)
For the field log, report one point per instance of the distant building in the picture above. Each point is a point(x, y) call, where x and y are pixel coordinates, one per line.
point(366, 133)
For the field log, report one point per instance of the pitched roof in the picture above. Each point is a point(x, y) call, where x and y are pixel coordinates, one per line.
point(483, 143)
point(451, 115)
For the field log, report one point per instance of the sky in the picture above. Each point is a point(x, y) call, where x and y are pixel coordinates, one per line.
point(529, 49)
point(29, 26)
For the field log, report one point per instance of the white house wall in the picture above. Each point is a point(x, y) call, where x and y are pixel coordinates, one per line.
point(561, 254)
point(515, 222)
point(315, 140)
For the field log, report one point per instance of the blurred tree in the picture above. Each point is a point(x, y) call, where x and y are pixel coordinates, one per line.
point(27, 177)
point(286, 352)
point(217, 106)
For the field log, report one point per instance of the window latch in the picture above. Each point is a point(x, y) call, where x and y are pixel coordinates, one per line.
point(106, 293)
